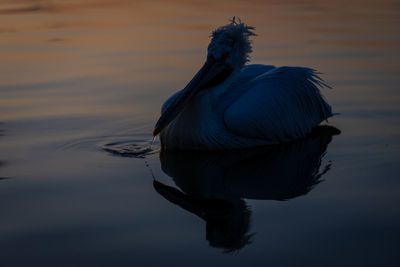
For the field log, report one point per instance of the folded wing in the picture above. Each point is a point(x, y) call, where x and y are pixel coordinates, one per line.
point(279, 105)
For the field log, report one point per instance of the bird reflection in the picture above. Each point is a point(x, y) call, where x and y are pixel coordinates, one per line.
point(214, 185)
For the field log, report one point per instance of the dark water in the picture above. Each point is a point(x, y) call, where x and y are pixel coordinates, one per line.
point(82, 81)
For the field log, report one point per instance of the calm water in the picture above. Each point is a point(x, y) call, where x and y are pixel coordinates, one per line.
point(79, 76)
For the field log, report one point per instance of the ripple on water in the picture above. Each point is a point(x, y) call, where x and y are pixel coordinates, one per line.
point(135, 149)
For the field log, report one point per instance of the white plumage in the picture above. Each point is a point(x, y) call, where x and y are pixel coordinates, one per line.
point(228, 105)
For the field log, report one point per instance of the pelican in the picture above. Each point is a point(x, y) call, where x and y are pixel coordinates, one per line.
point(231, 105)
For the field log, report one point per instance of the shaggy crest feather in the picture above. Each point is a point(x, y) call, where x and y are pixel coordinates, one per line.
point(233, 37)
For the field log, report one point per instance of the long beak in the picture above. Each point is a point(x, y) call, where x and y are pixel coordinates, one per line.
point(206, 75)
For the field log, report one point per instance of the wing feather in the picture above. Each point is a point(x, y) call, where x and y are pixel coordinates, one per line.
point(280, 105)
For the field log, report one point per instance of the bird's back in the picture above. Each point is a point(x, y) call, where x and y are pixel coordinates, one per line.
point(278, 105)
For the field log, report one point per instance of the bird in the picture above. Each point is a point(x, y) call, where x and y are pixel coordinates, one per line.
point(230, 104)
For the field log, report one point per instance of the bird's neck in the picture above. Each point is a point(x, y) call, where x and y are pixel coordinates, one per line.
point(224, 86)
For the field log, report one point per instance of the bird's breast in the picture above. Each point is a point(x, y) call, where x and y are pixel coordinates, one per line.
point(199, 126)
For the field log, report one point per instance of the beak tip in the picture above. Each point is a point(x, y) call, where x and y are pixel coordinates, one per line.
point(156, 131)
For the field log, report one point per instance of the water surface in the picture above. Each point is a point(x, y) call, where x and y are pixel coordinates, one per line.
point(77, 77)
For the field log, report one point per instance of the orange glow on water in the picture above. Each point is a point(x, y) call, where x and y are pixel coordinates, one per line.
point(126, 43)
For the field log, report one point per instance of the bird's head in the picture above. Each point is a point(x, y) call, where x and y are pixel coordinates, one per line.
point(228, 50)
point(230, 44)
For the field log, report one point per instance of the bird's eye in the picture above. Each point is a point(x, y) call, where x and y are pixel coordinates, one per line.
point(224, 55)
